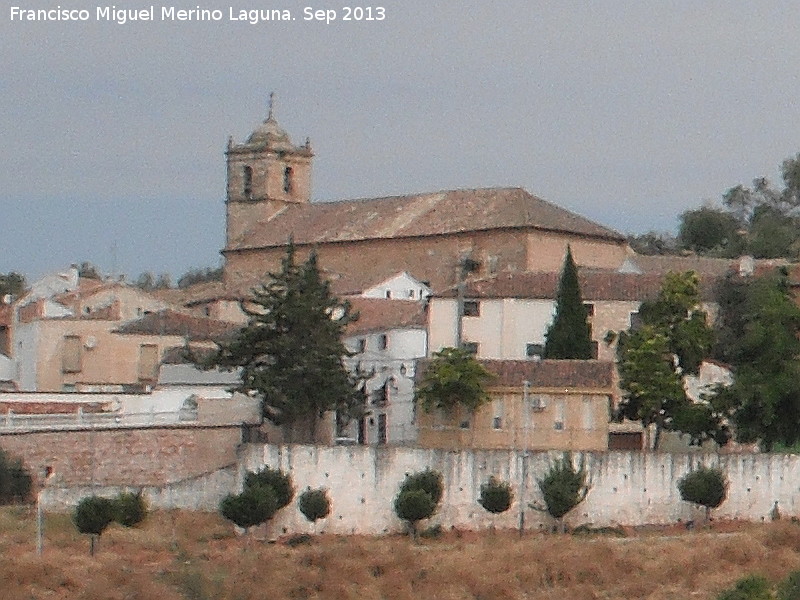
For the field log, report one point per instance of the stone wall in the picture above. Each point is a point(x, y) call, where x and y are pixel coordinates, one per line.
point(135, 457)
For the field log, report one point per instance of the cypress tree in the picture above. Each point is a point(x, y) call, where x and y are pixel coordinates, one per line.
point(568, 336)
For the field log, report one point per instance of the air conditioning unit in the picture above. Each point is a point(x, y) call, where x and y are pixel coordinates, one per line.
point(90, 343)
point(538, 404)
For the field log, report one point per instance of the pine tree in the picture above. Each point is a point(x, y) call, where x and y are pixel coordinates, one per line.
point(569, 335)
point(290, 353)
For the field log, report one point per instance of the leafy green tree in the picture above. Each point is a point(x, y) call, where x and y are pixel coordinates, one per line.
point(130, 509)
point(652, 389)
point(290, 353)
point(569, 336)
point(710, 231)
point(563, 488)
point(11, 284)
point(418, 498)
point(653, 243)
point(761, 323)
point(674, 329)
point(91, 516)
point(752, 587)
point(496, 496)
point(705, 487)
point(277, 480)
point(453, 378)
point(314, 504)
point(15, 481)
point(195, 276)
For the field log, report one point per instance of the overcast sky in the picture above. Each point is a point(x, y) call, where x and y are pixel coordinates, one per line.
point(626, 112)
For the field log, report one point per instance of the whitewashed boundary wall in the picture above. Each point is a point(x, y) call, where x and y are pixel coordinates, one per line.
point(628, 488)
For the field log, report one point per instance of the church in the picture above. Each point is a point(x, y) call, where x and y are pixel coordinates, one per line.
point(437, 237)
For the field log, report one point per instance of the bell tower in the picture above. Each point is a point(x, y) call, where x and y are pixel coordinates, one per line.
point(265, 173)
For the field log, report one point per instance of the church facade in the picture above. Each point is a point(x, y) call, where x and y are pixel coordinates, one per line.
point(436, 237)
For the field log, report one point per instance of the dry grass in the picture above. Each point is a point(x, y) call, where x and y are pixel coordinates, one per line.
point(193, 556)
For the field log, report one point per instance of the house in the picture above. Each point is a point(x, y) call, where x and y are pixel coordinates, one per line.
point(72, 334)
point(534, 405)
point(506, 316)
point(386, 342)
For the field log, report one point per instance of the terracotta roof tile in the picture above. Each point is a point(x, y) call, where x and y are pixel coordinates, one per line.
point(378, 314)
point(170, 322)
point(418, 215)
point(593, 374)
point(595, 285)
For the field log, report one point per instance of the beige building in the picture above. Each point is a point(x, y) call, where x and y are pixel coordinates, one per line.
point(535, 405)
point(97, 336)
point(432, 236)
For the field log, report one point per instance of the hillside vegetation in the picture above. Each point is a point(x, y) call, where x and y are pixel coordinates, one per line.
point(181, 555)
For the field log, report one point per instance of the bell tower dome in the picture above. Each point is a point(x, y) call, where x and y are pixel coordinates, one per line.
point(264, 174)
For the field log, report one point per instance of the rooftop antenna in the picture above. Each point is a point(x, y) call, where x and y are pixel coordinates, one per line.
point(271, 106)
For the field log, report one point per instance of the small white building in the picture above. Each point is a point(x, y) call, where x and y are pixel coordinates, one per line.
point(386, 341)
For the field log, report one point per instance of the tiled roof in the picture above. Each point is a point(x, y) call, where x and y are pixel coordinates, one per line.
point(595, 285)
point(378, 314)
point(195, 294)
point(417, 215)
point(582, 374)
point(170, 322)
point(702, 265)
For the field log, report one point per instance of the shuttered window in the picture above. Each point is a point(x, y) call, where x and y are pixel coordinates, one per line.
point(148, 362)
point(71, 356)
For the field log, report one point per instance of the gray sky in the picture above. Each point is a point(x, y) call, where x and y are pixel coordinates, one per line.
point(626, 112)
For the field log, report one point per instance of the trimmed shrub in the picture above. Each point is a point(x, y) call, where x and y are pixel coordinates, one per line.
point(314, 504)
point(704, 486)
point(563, 488)
point(496, 496)
point(413, 506)
point(92, 515)
point(428, 480)
point(280, 482)
point(254, 506)
point(418, 497)
point(130, 509)
point(752, 587)
point(15, 481)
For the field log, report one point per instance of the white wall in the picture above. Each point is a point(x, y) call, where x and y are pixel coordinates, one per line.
point(627, 487)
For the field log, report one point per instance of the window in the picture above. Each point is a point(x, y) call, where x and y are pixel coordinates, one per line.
point(472, 308)
point(380, 397)
point(589, 309)
point(383, 341)
point(361, 345)
point(636, 321)
point(388, 293)
point(247, 181)
point(287, 180)
point(382, 429)
point(558, 423)
point(534, 350)
point(470, 347)
point(498, 409)
point(71, 359)
point(588, 415)
point(491, 264)
point(410, 293)
point(148, 362)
